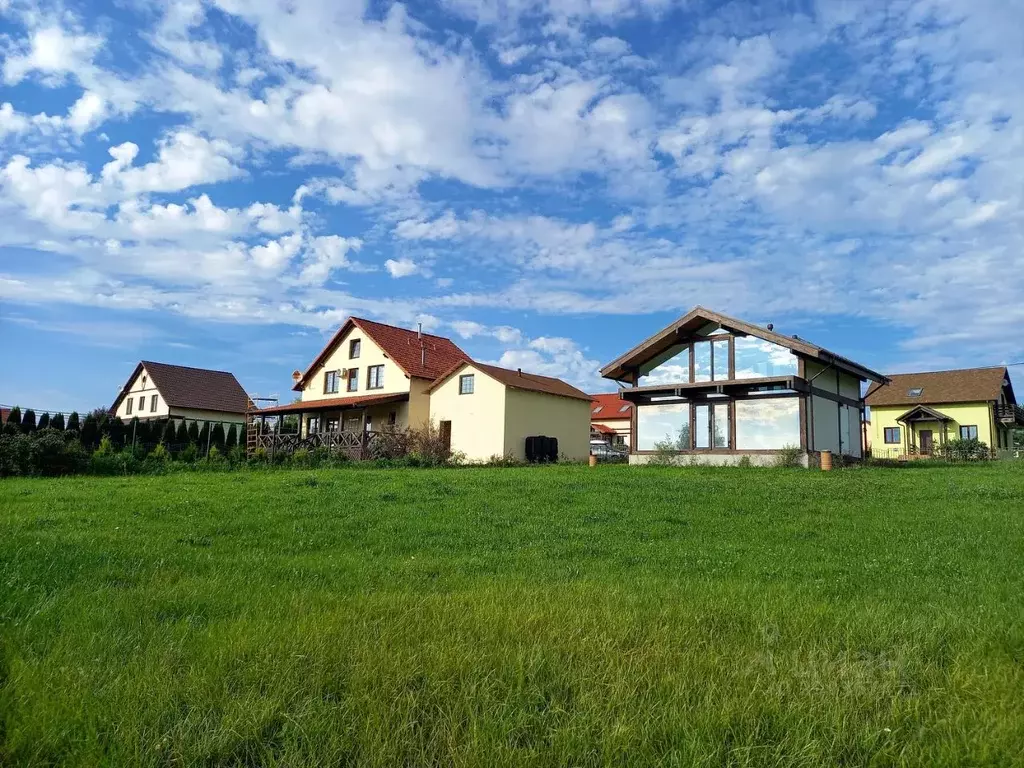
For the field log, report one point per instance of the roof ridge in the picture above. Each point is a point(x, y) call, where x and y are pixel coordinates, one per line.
point(187, 367)
point(951, 370)
point(400, 328)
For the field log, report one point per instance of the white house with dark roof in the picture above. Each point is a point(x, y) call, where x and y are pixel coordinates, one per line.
point(158, 391)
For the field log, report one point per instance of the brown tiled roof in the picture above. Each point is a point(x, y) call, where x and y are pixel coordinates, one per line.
point(184, 387)
point(4, 413)
point(969, 385)
point(608, 407)
point(698, 317)
point(518, 380)
point(401, 345)
point(603, 429)
point(330, 403)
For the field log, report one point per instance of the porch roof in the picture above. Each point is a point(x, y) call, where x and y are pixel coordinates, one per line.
point(923, 413)
point(333, 404)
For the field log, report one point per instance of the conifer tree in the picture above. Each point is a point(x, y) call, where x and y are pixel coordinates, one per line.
point(217, 436)
point(90, 431)
point(44, 422)
point(74, 425)
point(13, 424)
point(57, 422)
point(167, 436)
point(230, 437)
point(28, 421)
point(193, 433)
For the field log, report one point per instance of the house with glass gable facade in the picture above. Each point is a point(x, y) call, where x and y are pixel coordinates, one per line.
point(719, 389)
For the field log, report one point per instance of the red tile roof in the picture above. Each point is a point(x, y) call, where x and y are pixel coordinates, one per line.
point(437, 355)
point(517, 379)
point(184, 387)
point(603, 429)
point(331, 403)
point(609, 407)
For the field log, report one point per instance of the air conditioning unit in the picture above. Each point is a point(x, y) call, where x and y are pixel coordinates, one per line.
point(343, 372)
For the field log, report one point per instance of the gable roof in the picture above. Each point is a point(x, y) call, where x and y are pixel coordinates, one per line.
point(698, 317)
point(400, 345)
point(517, 379)
point(609, 407)
point(184, 387)
point(968, 385)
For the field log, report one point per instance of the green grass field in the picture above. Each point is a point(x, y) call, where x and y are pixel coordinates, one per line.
point(497, 617)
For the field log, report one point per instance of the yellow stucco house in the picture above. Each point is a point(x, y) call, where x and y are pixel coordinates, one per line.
point(372, 378)
point(916, 414)
point(492, 411)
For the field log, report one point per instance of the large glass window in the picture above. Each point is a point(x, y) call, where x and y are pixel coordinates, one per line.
point(702, 361)
point(702, 427)
point(720, 424)
point(720, 364)
point(757, 358)
point(767, 424)
point(663, 426)
point(670, 367)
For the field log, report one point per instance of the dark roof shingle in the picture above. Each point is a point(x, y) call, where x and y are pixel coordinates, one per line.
point(197, 388)
point(969, 385)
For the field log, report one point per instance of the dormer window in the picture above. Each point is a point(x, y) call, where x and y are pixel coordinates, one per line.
point(623, 409)
point(597, 410)
point(915, 392)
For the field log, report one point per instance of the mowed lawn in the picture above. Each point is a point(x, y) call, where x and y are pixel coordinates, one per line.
point(501, 617)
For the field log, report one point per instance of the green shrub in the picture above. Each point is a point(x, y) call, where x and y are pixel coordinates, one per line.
point(13, 424)
point(28, 422)
point(44, 422)
point(744, 462)
point(74, 424)
point(52, 456)
point(789, 456)
point(15, 454)
point(57, 422)
point(189, 453)
point(961, 449)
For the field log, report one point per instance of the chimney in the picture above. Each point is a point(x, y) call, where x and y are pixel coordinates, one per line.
point(519, 371)
point(296, 375)
point(423, 347)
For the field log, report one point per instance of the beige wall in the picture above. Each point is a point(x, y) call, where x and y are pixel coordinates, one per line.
point(395, 380)
point(142, 389)
point(418, 412)
point(535, 413)
point(478, 420)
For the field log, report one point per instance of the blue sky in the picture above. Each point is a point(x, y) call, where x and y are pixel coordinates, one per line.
point(221, 183)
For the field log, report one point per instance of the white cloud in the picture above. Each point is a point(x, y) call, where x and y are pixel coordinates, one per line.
point(401, 267)
point(51, 51)
point(88, 112)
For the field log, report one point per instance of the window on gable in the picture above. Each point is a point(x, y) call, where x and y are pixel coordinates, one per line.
point(969, 432)
point(466, 384)
point(354, 348)
point(130, 404)
point(152, 403)
point(331, 382)
point(915, 391)
point(892, 435)
point(142, 403)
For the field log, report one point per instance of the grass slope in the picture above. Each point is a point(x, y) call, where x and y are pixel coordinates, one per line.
point(549, 616)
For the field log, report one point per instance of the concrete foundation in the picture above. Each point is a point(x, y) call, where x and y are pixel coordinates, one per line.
point(716, 459)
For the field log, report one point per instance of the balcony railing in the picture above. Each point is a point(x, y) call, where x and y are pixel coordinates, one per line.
point(1010, 414)
point(358, 446)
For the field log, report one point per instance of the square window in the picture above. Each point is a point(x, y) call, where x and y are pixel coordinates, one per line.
point(466, 384)
point(353, 380)
point(354, 348)
point(892, 435)
point(375, 377)
point(969, 432)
